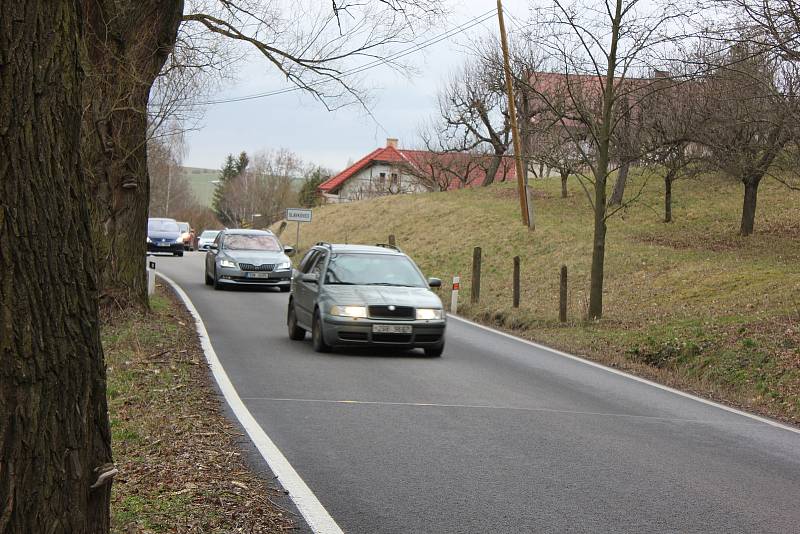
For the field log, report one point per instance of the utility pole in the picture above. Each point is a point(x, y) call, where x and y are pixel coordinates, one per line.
point(527, 212)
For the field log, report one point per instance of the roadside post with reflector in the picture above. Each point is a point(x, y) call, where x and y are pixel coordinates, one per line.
point(454, 295)
point(151, 277)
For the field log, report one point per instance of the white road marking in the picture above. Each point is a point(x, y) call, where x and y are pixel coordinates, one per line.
point(307, 503)
point(760, 419)
point(509, 408)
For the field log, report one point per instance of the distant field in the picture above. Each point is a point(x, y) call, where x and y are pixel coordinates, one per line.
point(689, 303)
point(200, 181)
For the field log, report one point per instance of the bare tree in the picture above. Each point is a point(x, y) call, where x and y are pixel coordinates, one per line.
point(750, 113)
point(127, 44)
point(600, 55)
point(474, 115)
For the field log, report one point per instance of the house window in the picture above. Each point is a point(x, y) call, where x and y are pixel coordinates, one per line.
point(394, 178)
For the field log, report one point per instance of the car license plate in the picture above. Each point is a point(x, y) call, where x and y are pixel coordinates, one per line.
point(391, 328)
point(257, 275)
point(163, 244)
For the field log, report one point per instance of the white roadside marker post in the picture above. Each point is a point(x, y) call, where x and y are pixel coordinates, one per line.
point(454, 295)
point(151, 277)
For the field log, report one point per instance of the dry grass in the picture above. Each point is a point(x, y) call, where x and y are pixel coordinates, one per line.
point(690, 303)
point(181, 467)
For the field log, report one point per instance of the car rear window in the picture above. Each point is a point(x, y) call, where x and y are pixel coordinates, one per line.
point(373, 270)
point(252, 242)
point(162, 226)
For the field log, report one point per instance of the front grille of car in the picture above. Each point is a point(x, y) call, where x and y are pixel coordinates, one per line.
point(251, 267)
point(391, 338)
point(385, 312)
point(353, 336)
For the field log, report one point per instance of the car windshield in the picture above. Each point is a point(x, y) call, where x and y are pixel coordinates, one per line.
point(373, 270)
point(161, 226)
point(209, 234)
point(252, 242)
point(184, 227)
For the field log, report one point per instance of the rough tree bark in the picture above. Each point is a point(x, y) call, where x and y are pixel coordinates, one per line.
point(749, 206)
point(54, 430)
point(125, 45)
point(491, 171)
point(564, 175)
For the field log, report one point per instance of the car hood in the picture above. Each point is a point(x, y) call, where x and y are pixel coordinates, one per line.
point(256, 257)
point(417, 297)
point(172, 236)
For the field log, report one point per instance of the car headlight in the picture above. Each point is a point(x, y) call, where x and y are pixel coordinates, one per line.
point(179, 240)
point(228, 263)
point(283, 266)
point(358, 312)
point(429, 313)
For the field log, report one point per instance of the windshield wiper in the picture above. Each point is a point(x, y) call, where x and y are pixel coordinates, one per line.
point(388, 284)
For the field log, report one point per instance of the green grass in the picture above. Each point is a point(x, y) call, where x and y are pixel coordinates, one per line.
point(689, 303)
point(200, 182)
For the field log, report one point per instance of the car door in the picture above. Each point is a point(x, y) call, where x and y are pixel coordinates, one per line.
point(307, 291)
point(211, 255)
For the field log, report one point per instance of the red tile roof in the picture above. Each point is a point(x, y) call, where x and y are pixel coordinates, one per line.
point(414, 158)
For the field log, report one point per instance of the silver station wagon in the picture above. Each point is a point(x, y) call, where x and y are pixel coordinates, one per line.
point(356, 295)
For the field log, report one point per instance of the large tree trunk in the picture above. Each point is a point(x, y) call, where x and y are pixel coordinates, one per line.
point(491, 172)
point(619, 186)
point(564, 176)
point(125, 45)
point(54, 430)
point(749, 206)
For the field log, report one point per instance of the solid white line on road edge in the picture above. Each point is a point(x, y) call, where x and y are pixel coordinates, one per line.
point(630, 376)
point(307, 503)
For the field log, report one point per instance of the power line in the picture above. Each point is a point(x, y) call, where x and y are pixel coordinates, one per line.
point(367, 66)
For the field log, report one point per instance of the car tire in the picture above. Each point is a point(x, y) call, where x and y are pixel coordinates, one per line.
point(215, 281)
point(296, 333)
point(179, 254)
point(434, 352)
point(209, 280)
point(285, 289)
point(317, 335)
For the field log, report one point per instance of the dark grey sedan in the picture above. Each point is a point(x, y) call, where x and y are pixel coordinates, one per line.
point(351, 295)
point(246, 258)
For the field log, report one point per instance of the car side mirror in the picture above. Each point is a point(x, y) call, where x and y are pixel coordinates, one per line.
point(289, 251)
point(312, 278)
point(434, 282)
point(213, 246)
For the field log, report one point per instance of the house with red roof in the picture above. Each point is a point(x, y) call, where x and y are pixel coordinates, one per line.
point(391, 170)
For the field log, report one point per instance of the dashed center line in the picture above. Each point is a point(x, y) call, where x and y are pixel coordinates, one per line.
point(509, 408)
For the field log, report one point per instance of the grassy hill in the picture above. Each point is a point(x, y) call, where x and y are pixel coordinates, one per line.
point(690, 303)
point(200, 181)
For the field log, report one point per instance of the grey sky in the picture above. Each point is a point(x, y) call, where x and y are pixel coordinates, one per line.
point(303, 125)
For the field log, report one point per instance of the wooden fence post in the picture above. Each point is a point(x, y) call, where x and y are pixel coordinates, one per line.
point(475, 290)
point(562, 312)
point(281, 228)
point(516, 281)
point(391, 240)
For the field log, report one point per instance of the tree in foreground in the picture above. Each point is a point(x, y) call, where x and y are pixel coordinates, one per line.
point(600, 57)
point(55, 452)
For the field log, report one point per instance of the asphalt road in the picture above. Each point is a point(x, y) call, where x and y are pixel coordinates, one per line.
point(495, 436)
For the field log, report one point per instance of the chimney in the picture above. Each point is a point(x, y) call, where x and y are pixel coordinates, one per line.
point(391, 142)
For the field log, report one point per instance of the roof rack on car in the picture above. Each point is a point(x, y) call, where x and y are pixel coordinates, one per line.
point(387, 245)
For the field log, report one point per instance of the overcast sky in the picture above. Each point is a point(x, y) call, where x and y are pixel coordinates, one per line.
point(303, 125)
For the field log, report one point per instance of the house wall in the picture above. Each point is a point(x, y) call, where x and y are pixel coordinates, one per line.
point(367, 183)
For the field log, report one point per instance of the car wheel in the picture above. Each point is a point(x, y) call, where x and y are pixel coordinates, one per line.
point(215, 281)
point(179, 254)
point(317, 336)
point(295, 332)
point(434, 352)
point(285, 289)
point(209, 280)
